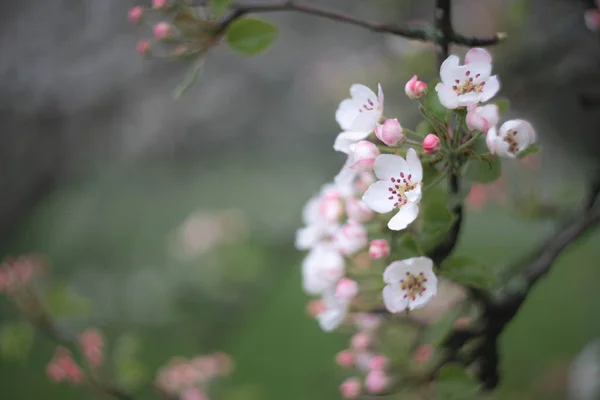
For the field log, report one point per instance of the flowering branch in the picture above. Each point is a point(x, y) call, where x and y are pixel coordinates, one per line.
point(409, 32)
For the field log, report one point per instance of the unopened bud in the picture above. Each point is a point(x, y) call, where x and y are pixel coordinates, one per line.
point(378, 249)
point(431, 143)
point(360, 341)
point(378, 363)
point(135, 14)
point(159, 4)
point(345, 358)
point(144, 47)
point(414, 88)
point(376, 381)
point(390, 132)
point(363, 155)
point(482, 118)
point(350, 388)
point(162, 31)
point(346, 289)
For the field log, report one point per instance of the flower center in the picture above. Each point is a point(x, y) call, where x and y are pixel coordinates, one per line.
point(511, 139)
point(399, 187)
point(467, 85)
point(413, 285)
point(369, 106)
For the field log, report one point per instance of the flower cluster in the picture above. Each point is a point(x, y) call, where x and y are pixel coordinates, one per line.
point(354, 226)
point(62, 367)
point(189, 378)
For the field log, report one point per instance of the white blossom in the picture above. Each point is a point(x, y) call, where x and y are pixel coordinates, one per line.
point(322, 268)
point(335, 311)
point(411, 284)
point(513, 137)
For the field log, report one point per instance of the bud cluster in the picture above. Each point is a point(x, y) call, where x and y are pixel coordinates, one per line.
point(190, 378)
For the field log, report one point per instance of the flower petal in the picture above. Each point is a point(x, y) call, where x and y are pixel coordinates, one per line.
point(414, 164)
point(380, 96)
point(362, 93)
point(478, 55)
point(389, 166)
point(447, 69)
point(394, 298)
point(346, 113)
point(366, 121)
point(447, 96)
point(395, 271)
point(377, 197)
point(407, 214)
point(345, 139)
point(414, 196)
point(492, 85)
point(307, 237)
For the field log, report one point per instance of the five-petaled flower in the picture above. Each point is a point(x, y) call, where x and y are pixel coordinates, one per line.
point(358, 116)
point(399, 186)
point(411, 283)
point(465, 85)
point(512, 138)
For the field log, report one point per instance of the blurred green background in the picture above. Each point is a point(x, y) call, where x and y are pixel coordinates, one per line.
point(102, 193)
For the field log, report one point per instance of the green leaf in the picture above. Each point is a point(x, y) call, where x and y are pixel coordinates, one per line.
point(482, 171)
point(468, 272)
point(435, 218)
point(424, 128)
point(190, 79)
point(454, 383)
point(503, 104)
point(130, 372)
point(251, 36)
point(218, 7)
point(406, 246)
point(62, 302)
point(16, 340)
point(534, 148)
point(437, 332)
point(433, 105)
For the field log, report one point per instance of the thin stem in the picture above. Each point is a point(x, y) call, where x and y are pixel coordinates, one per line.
point(407, 31)
point(468, 143)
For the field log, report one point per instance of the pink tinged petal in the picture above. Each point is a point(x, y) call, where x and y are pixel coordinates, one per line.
point(396, 271)
point(394, 298)
point(405, 216)
point(492, 85)
point(346, 175)
point(346, 113)
point(447, 69)
point(380, 96)
point(366, 121)
point(377, 197)
point(467, 99)
point(490, 139)
point(362, 93)
point(478, 55)
point(416, 169)
point(448, 97)
point(389, 166)
point(344, 140)
point(478, 71)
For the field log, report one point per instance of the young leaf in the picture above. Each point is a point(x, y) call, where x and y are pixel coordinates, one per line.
point(251, 36)
point(62, 302)
point(483, 171)
point(218, 7)
point(433, 105)
point(454, 383)
point(468, 272)
point(534, 148)
point(435, 218)
point(130, 372)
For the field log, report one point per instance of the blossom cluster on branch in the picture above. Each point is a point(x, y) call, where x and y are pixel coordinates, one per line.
point(370, 231)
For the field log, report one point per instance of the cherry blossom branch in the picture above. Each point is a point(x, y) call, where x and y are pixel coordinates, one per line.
point(407, 31)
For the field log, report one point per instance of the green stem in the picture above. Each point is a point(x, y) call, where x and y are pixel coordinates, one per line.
point(466, 144)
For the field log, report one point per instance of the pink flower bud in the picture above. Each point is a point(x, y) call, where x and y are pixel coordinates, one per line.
point(358, 210)
point(346, 289)
point(363, 155)
point(315, 307)
point(376, 381)
point(345, 358)
point(193, 394)
point(135, 14)
point(378, 249)
point(482, 118)
point(414, 88)
point(431, 143)
point(144, 47)
point(390, 132)
point(92, 343)
point(423, 353)
point(55, 372)
point(350, 388)
point(159, 4)
point(378, 363)
point(592, 19)
point(162, 31)
point(360, 341)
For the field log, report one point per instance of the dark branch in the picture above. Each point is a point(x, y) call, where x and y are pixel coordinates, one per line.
point(410, 32)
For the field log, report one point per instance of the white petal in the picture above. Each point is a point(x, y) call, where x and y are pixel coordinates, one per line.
point(377, 197)
point(395, 271)
point(310, 212)
point(344, 140)
point(345, 176)
point(467, 99)
point(490, 114)
point(447, 69)
point(366, 121)
point(307, 237)
point(362, 93)
point(389, 166)
point(407, 214)
point(479, 71)
point(478, 55)
point(420, 301)
point(380, 96)
point(393, 298)
point(490, 139)
point(416, 169)
point(331, 318)
point(492, 85)
point(414, 196)
point(447, 96)
point(346, 112)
